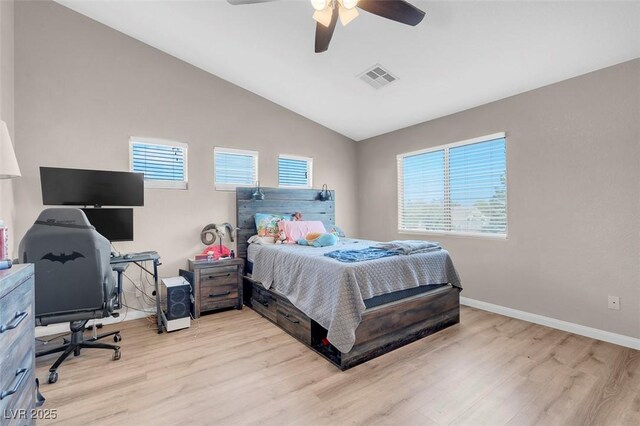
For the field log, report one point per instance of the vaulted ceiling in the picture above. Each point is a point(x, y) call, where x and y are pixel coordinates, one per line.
point(462, 55)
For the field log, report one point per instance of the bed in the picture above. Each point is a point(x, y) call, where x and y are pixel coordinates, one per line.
point(347, 312)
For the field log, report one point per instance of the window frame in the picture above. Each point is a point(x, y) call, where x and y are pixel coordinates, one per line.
point(233, 186)
point(162, 184)
point(446, 148)
point(308, 160)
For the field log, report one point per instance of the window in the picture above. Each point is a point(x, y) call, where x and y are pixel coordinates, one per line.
point(234, 167)
point(164, 163)
point(459, 188)
point(294, 172)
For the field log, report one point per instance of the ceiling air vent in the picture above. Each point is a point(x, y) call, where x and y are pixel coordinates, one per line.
point(377, 77)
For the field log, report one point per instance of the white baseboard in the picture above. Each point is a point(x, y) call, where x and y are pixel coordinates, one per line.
point(594, 333)
point(64, 327)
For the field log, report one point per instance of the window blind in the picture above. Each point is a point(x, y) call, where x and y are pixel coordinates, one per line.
point(294, 171)
point(422, 193)
point(234, 168)
point(163, 164)
point(459, 188)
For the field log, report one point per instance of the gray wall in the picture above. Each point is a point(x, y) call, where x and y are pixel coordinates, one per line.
point(7, 208)
point(82, 89)
point(573, 151)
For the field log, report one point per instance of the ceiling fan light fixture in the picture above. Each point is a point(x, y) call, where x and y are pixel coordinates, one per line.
point(319, 4)
point(323, 16)
point(349, 4)
point(347, 15)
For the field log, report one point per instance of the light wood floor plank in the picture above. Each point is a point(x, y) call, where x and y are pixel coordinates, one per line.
point(235, 367)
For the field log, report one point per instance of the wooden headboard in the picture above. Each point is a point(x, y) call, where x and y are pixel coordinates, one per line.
point(279, 201)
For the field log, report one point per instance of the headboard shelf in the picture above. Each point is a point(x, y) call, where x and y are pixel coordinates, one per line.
point(279, 201)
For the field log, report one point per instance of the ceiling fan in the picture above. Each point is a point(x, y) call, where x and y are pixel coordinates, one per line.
point(327, 13)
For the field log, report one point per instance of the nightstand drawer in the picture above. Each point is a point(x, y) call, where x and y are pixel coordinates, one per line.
point(213, 273)
point(23, 382)
point(218, 296)
point(14, 349)
point(219, 279)
point(15, 413)
point(293, 321)
point(15, 314)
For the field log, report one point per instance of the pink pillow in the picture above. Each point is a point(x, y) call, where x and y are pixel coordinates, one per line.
point(296, 229)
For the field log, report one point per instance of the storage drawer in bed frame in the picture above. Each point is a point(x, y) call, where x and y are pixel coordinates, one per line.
point(383, 328)
point(262, 301)
point(294, 321)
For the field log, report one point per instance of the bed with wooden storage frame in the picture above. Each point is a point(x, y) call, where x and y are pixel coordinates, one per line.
point(384, 327)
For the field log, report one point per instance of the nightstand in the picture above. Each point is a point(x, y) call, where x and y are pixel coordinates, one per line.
point(216, 284)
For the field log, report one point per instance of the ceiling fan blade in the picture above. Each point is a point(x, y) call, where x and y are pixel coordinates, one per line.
point(324, 34)
point(239, 2)
point(396, 10)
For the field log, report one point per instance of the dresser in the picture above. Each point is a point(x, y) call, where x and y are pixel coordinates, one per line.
point(216, 284)
point(17, 345)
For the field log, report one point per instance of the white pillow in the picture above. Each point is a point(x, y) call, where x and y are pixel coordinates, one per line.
point(256, 239)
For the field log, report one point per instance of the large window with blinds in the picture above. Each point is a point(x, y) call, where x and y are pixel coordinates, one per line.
point(163, 162)
point(294, 171)
point(459, 188)
point(234, 168)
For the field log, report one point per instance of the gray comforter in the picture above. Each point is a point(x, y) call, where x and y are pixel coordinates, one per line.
point(332, 293)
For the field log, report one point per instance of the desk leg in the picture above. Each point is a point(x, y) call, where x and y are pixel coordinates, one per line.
point(119, 289)
point(158, 307)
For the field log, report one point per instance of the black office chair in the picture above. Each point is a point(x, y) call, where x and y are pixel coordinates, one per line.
point(73, 279)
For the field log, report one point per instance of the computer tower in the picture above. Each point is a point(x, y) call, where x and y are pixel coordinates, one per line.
point(188, 275)
point(176, 303)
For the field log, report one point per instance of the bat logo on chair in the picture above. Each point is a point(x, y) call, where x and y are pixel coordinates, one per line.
point(62, 257)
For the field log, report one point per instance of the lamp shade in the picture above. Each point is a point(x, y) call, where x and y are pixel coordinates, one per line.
point(8, 162)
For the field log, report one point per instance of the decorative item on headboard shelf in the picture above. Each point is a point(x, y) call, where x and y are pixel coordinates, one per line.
point(208, 236)
point(257, 194)
point(325, 194)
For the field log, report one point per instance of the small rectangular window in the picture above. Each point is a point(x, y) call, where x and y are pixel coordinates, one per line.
point(459, 188)
point(234, 168)
point(163, 162)
point(294, 171)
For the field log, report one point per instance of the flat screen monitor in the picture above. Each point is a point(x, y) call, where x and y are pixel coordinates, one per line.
point(77, 187)
point(113, 224)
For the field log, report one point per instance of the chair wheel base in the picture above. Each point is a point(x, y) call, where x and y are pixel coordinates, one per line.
point(53, 376)
point(116, 355)
point(117, 337)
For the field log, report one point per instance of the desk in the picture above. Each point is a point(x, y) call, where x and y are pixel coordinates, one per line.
point(121, 263)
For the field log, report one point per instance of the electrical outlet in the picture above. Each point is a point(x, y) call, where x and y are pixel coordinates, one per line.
point(614, 303)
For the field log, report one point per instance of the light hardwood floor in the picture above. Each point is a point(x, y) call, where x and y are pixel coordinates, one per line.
point(235, 367)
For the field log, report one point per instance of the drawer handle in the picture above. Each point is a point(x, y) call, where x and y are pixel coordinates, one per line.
point(20, 375)
point(216, 276)
point(15, 322)
point(265, 304)
point(295, 321)
point(226, 293)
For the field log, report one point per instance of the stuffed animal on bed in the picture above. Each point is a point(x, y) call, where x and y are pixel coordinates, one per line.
point(282, 236)
point(317, 239)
